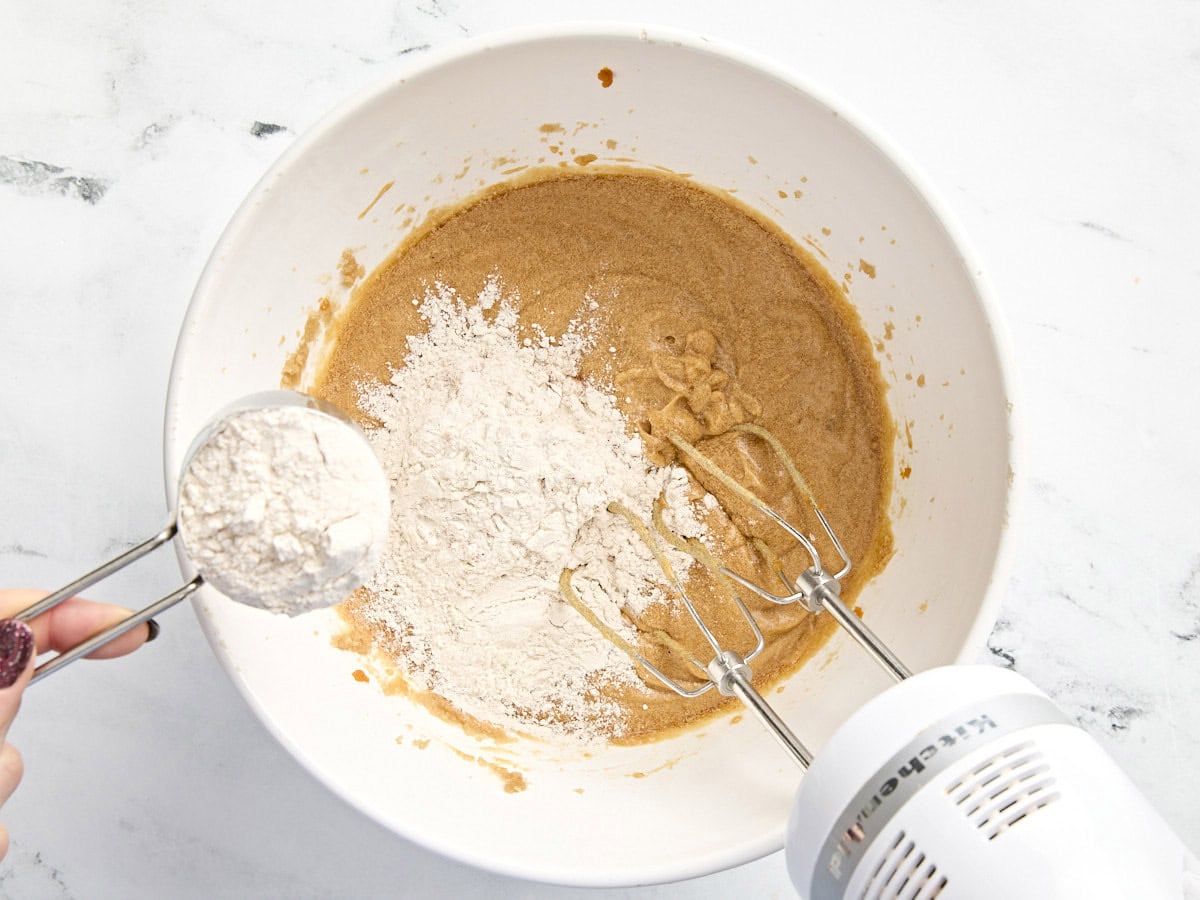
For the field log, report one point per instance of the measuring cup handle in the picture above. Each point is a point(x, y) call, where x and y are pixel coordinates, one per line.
point(110, 634)
point(97, 574)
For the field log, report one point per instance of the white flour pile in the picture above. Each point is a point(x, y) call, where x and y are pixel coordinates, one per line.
point(284, 508)
point(502, 464)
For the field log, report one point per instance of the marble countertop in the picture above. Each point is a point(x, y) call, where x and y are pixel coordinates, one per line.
point(1066, 138)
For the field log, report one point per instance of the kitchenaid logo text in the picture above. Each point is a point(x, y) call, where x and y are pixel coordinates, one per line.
point(855, 837)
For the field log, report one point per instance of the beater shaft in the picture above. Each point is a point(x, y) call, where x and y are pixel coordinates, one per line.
point(866, 638)
point(731, 675)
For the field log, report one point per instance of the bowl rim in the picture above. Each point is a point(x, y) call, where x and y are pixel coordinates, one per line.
point(449, 55)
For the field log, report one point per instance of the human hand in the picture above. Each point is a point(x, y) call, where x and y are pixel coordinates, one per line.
point(61, 628)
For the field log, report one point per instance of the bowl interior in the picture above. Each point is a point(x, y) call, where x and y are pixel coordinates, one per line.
point(368, 174)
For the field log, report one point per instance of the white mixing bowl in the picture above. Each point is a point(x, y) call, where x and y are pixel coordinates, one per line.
point(719, 795)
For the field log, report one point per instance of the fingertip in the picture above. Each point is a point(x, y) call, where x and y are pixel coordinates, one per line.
point(3, 841)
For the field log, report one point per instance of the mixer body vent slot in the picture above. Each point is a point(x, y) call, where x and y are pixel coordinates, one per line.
point(1005, 789)
point(904, 873)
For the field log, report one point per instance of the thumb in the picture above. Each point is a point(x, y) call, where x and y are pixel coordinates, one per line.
point(16, 654)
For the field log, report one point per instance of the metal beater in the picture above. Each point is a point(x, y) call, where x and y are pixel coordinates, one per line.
point(815, 588)
point(962, 782)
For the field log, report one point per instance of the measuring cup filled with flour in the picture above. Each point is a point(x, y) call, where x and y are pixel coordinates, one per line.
point(283, 505)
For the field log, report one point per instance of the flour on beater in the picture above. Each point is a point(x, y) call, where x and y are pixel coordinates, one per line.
point(502, 465)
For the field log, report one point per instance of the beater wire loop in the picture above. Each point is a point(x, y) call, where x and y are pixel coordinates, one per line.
point(814, 588)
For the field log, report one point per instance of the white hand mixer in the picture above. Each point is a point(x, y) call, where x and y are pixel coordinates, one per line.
point(961, 782)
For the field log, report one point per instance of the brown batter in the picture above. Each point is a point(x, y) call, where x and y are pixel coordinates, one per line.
point(716, 318)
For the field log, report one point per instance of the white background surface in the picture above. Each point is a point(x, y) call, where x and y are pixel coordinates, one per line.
point(1066, 139)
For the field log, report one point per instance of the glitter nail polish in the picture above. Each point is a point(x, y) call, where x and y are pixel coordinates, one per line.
point(16, 647)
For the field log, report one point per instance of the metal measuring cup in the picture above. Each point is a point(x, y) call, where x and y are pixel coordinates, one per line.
point(262, 400)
